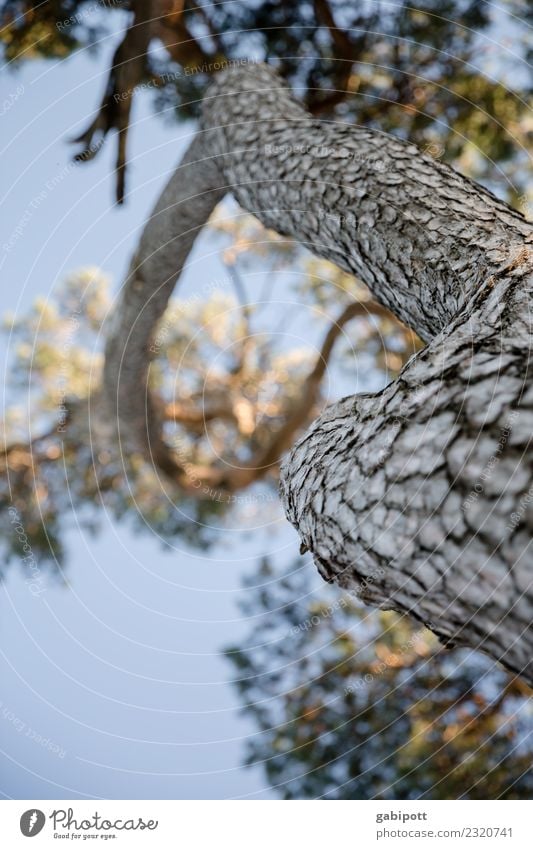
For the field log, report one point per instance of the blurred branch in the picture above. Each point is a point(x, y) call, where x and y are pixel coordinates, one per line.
point(167, 239)
point(300, 414)
point(188, 414)
point(240, 291)
point(346, 51)
point(171, 27)
point(128, 68)
point(163, 19)
point(340, 38)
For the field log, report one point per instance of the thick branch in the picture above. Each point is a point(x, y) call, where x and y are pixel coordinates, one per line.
point(420, 496)
point(420, 235)
point(381, 487)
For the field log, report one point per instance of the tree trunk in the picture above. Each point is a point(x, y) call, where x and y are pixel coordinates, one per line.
point(420, 497)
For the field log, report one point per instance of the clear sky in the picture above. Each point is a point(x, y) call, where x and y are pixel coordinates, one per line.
point(111, 686)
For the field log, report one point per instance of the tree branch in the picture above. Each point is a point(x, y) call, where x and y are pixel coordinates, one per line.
point(164, 19)
point(380, 487)
point(182, 210)
point(127, 71)
point(258, 141)
point(299, 415)
point(172, 29)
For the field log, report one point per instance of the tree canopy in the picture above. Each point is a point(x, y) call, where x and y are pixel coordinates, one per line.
point(433, 73)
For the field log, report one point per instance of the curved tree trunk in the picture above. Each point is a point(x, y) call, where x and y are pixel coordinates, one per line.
point(420, 496)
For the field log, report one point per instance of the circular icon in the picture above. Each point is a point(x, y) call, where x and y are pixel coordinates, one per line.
point(32, 822)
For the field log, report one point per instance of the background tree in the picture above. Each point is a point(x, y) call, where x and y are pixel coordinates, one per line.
point(352, 706)
point(258, 387)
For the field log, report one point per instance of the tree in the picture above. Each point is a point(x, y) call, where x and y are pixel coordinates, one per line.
point(404, 223)
point(380, 481)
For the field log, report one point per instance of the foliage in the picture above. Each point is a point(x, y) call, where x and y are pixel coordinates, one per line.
point(352, 703)
point(222, 412)
point(52, 30)
point(431, 72)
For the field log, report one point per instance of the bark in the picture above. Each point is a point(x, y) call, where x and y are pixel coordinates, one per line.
point(180, 213)
point(418, 496)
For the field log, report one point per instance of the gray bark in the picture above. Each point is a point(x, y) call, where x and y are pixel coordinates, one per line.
point(166, 241)
point(418, 496)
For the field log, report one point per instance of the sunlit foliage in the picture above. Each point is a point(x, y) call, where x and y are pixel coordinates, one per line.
point(225, 382)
